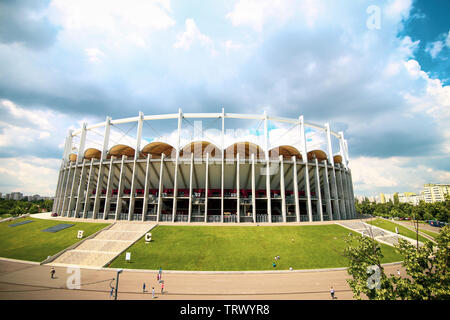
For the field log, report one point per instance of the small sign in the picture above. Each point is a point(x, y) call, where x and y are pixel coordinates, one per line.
point(80, 234)
point(148, 237)
point(128, 256)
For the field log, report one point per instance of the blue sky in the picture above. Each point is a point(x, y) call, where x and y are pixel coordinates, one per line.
point(384, 82)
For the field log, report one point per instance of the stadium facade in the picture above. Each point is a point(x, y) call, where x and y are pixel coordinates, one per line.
point(202, 181)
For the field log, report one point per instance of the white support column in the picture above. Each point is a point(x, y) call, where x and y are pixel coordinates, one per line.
point(253, 188)
point(342, 149)
point(238, 194)
point(120, 189)
point(175, 178)
point(107, 207)
point(133, 187)
point(318, 193)
point(66, 190)
point(295, 182)
point(81, 188)
point(68, 146)
point(58, 188)
point(191, 174)
point(269, 200)
point(341, 194)
point(326, 185)
point(87, 196)
point(206, 186)
point(346, 193)
point(137, 152)
point(80, 158)
point(282, 189)
point(72, 189)
point(146, 188)
point(160, 188)
point(101, 168)
point(305, 160)
point(222, 180)
point(334, 191)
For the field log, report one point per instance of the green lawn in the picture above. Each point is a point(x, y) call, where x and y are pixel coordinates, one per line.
point(242, 248)
point(390, 226)
point(28, 242)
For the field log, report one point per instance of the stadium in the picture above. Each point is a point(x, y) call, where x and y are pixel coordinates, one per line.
point(285, 172)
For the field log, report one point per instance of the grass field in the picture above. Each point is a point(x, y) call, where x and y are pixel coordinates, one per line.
point(390, 226)
point(28, 242)
point(242, 248)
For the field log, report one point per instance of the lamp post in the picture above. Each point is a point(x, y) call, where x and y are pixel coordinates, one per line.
point(117, 283)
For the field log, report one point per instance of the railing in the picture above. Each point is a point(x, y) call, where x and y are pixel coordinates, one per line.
point(197, 218)
point(150, 218)
point(122, 216)
point(304, 218)
point(136, 216)
point(166, 217)
point(181, 217)
point(100, 215)
point(326, 217)
point(230, 218)
point(277, 218)
point(335, 216)
point(89, 215)
point(316, 217)
point(262, 218)
point(246, 219)
point(291, 219)
point(213, 218)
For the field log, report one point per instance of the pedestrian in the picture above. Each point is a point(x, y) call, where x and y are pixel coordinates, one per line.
point(111, 293)
point(278, 257)
point(157, 277)
point(52, 273)
point(143, 287)
point(153, 292)
point(398, 272)
point(332, 293)
point(274, 265)
point(162, 287)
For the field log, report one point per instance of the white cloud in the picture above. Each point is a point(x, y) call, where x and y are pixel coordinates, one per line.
point(256, 13)
point(113, 21)
point(29, 175)
point(370, 175)
point(190, 36)
point(94, 54)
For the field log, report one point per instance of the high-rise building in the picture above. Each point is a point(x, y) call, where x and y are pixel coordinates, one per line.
point(410, 197)
point(435, 192)
point(16, 195)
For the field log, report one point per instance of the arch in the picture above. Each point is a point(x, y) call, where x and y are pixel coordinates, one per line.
point(92, 153)
point(337, 158)
point(286, 151)
point(200, 149)
point(245, 149)
point(317, 154)
point(155, 149)
point(72, 157)
point(120, 150)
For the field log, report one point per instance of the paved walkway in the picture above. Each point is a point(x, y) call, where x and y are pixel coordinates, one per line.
point(30, 281)
point(379, 234)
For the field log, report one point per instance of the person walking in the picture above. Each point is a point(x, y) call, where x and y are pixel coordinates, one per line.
point(332, 293)
point(111, 293)
point(153, 292)
point(162, 287)
point(143, 287)
point(52, 273)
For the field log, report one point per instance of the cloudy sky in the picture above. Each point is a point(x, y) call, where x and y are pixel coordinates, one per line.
point(377, 70)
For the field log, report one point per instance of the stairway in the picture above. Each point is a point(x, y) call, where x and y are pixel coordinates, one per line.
point(106, 245)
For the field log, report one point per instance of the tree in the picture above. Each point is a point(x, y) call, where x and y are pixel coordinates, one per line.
point(427, 269)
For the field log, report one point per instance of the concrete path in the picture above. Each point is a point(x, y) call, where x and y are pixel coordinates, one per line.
point(30, 281)
point(379, 234)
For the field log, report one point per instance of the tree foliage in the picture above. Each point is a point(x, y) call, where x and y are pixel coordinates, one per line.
point(426, 267)
point(423, 211)
point(19, 207)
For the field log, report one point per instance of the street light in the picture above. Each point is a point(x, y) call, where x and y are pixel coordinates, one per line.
point(117, 283)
